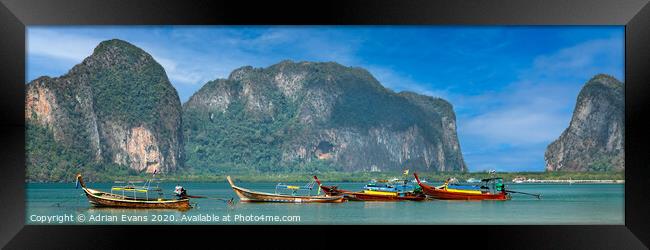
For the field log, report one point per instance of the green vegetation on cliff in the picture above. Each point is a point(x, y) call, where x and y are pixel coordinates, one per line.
point(130, 88)
point(300, 116)
point(48, 160)
point(85, 120)
point(116, 114)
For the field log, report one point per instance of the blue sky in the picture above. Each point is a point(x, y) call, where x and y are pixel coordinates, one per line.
point(513, 87)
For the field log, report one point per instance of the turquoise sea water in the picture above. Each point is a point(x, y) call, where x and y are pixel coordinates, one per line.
point(580, 204)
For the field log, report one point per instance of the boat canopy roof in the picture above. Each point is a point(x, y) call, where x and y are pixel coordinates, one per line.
point(294, 187)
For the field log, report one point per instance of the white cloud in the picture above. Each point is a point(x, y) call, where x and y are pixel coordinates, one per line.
point(520, 114)
point(271, 37)
point(223, 50)
point(181, 74)
point(586, 58)
point(516, 126)
point(60, 45)
point(522, 158)
point(524, 115)
point(70, 48)
point(187, 65)
point(399, 82)
point(535, 109)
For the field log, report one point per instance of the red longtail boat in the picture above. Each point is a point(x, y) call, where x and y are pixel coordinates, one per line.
point(492, 189)
point(370, 195)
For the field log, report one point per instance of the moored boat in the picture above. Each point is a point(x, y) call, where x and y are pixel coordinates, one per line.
point(121, 200)
point(519, 179)
point(246, 195)
point(492, 189)
point(375, 192)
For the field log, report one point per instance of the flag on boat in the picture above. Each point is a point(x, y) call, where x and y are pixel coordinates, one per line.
point(406, 172)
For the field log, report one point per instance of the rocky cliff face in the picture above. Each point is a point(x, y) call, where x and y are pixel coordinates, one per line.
point(594, 140)
point(306, 116)
point(116, 107)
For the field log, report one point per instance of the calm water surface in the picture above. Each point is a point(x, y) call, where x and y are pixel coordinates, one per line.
point(560, 204)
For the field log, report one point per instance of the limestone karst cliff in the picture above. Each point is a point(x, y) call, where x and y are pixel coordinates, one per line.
point(594, 140)
point(117, 113)
point(306, 116)
point(115, 108)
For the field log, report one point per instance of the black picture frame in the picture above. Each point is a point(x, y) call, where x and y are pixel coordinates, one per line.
point(15, 15)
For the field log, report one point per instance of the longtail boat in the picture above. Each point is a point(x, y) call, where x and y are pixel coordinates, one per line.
point(373, 192)
point(492, 189)
point(122, 200)
point(246, 195)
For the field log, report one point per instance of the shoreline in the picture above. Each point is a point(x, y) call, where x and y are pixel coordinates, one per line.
point(572, 181)
point(302, 177)
point(551, 182)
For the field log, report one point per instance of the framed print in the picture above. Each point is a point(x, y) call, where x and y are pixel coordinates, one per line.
point(457, 118)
